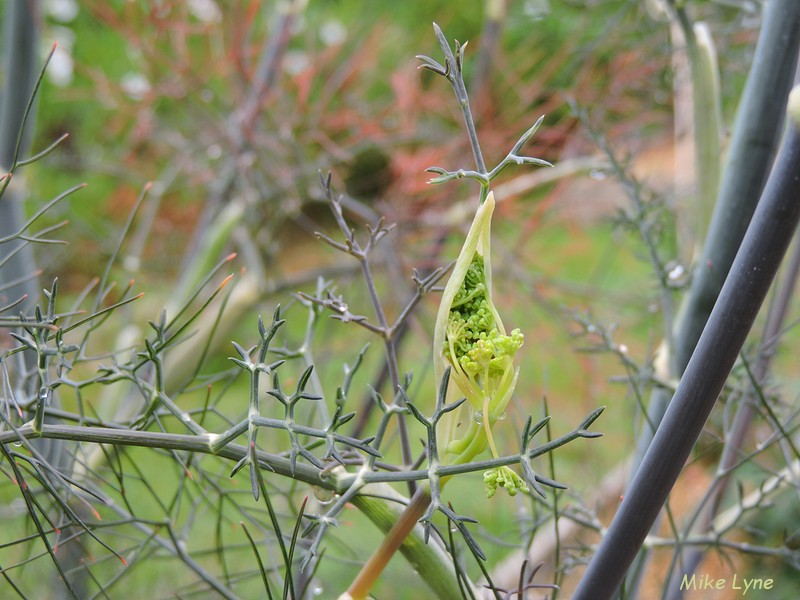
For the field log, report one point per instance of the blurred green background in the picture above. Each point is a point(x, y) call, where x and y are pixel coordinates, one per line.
point(169, 93)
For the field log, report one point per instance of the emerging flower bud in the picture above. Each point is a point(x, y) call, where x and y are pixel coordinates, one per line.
point(470, 337)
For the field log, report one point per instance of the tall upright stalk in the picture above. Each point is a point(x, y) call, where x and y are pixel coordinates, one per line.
point(426, 500)
point(755, 138)
point(751, 275)
point(702, 520)
point(20, 66)
point(18, 272)
point(754, 141)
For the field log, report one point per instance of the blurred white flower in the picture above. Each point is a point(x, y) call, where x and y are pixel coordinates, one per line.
point(62, 10)
point(214, 151)
point(536, 9)
point(206, 11)
point(61, 67)
point(135, 85)
point(332, 32)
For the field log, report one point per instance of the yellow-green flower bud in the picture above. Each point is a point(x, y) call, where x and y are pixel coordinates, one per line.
point(470, 337)
point(503, 477)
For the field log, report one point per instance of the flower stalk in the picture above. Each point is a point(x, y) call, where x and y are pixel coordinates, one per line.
point(473, 356)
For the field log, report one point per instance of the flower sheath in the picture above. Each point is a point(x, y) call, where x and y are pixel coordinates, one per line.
point(470, 337)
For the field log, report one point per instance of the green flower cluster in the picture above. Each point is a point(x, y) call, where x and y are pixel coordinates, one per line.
point(470, 340)
point(481, 355)
point(506, 478)
point(482, 358)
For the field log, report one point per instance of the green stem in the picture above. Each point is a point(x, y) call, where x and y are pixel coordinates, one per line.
point(707, 120)
point(403, 533)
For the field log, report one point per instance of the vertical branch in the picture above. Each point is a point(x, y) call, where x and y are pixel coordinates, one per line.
point(18, 275)
point(453, 72)
point(755, 137)
point(387, 333)
point(732, 449)
point(240, 127)
point(767, 239)
point(707, 119)
point(706, 134)
point(270, 61)
point(19, 65)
